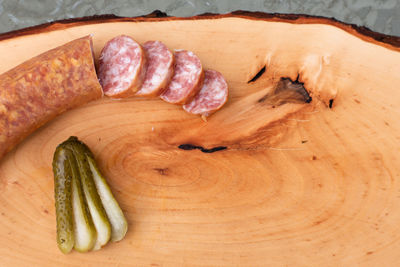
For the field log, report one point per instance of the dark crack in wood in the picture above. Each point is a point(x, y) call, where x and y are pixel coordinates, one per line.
point(204, 150)
point(330, 103)
point(258, 75)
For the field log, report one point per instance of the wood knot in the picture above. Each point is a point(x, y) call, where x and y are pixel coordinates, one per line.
point(286, 91)
point(162, 171)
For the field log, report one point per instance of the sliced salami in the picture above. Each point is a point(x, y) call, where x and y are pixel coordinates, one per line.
point(122, 67)
point(187, 79)
point(160, 68)
point(212, 96)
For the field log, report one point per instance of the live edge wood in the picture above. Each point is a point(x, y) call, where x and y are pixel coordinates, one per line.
point(289, 183)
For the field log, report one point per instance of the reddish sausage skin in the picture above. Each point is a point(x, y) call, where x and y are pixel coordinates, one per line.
point(41, 88)
point(212, 96)
point(187, 79)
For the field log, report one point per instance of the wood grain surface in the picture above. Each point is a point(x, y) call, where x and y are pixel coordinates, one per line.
point(299, 184)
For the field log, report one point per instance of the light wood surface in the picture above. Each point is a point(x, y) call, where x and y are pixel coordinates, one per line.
point(298, 185)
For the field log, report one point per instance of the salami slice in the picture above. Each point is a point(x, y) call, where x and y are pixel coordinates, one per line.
point(212, 96)
point(39, 89)
point(122, 67)
point(160, 68)
point(187, 79)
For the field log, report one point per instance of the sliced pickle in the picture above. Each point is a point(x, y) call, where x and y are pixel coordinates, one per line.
point(62, 195)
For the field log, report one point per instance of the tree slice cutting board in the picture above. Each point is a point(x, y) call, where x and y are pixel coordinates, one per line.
point(299, 184)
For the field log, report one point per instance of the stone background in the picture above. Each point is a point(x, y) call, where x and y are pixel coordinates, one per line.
point(379, 15)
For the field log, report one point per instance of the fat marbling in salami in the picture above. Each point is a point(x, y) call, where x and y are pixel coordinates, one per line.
point(212, 96)
point(187, 79)
point(122, 67)
point(160, 68)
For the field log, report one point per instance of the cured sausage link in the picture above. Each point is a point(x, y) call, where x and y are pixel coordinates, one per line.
point(187, 79)
point(212, 96)
point(41, 88)
point(122, 67)
point(160, 68)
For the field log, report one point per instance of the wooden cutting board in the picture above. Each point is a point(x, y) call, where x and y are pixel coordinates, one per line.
point(299, 184)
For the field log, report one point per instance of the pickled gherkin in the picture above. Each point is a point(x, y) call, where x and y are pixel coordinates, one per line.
point(87, 213)
point(84, 230)
point(119, 225)
point(62, 194)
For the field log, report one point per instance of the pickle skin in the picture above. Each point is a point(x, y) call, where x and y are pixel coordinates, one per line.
point(95, 206)
point(62, 195)
point(119, 224)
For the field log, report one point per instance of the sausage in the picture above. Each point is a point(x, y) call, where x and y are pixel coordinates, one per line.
point(160, 68)
point(41, 88)
point(212, 96)
point(187, 79)
point(122, 67)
